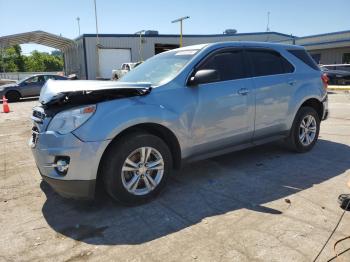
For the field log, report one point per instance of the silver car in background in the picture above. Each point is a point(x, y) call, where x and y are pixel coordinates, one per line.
point(179, 106)
point(27, 87)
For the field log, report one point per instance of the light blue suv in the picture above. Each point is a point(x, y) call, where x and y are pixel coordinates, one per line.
point(179, 106)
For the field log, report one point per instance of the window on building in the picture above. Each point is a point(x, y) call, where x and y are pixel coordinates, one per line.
point(229, 65)
point(160, 48)
point(346, 58)
point(267, 62)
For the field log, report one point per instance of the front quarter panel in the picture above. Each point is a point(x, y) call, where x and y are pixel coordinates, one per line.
point(160, 107)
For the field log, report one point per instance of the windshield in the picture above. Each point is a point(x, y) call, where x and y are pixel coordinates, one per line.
point(160, 68)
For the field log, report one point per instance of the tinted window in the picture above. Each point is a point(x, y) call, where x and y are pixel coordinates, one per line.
point(268, 63)
point(305, 57)
point(32, 80)
point(229, 65)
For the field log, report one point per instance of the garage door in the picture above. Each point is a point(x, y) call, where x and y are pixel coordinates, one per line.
point(110, 59)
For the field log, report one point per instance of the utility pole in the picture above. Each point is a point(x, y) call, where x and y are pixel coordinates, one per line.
point(268, 22)
point(97, 39)
point(180, 20)
point(97, 45)
point(140, 47)
point(78, 20)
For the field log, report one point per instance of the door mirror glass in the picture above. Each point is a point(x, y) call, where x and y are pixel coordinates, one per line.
point(204, 76)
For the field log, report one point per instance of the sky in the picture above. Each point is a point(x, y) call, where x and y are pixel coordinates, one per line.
point(297, 17)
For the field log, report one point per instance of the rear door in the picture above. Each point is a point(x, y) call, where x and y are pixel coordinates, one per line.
point(225, 112)
point(274, 85)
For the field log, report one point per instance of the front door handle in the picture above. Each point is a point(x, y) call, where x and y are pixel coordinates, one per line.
point(292, 82)
point(243, 91)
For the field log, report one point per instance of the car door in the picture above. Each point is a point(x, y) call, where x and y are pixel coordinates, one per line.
point(225, 111)
point(27, 86)
point(32, 86)
point(38, 85)
point(274, 85)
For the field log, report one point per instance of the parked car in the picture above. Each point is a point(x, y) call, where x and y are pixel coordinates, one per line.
point(336, 76)
point(124, 69)
point(27, 87)
point(179, 106)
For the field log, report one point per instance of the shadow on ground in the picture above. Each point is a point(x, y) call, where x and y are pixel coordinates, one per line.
point(245, 179)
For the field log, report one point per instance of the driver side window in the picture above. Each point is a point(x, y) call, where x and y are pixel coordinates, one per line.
point(32, 80)
point(228, 64)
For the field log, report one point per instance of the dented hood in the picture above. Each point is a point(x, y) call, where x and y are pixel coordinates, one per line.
point(85, 91)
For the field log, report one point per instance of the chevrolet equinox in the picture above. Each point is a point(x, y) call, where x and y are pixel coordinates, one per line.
point(179, 106)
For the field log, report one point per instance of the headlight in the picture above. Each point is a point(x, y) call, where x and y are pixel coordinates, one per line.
point(67, 121)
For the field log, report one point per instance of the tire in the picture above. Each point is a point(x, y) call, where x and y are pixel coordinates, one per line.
point(13, 96)
point(296, 141)
point(117, 181)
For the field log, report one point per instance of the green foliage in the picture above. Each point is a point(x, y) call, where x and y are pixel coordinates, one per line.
point(11, 60)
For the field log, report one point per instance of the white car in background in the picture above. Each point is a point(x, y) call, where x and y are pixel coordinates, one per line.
point(125, 68)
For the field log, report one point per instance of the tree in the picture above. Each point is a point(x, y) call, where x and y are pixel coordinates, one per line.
point(12, 60)
point(43, 62)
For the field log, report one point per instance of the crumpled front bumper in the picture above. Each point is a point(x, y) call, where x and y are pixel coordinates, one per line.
point(84, 159)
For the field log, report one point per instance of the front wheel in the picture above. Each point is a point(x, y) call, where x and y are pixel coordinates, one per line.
point(13, 96)
point(136, 167)
point(305, 130)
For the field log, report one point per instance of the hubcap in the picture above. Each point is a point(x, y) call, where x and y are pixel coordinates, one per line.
point(307, 130)
point(142, 170)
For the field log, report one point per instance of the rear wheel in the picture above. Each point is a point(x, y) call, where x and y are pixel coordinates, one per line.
point(305, 130)
point(136, 167)
point(13, 96)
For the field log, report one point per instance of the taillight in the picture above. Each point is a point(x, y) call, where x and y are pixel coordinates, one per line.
point(325, 80)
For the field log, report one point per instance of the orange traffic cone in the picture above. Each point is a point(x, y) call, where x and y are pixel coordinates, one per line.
point(5, 105)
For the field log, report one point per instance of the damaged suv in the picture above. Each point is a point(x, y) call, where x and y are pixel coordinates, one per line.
point(179, 106)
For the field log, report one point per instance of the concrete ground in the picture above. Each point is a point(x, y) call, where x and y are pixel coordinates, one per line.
point(261, 204)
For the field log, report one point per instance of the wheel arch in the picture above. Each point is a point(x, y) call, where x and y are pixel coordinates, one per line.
point(315, 104)
point(14, 91)
point(152, 128)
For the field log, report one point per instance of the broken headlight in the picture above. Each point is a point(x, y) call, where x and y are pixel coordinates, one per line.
point(69, 120)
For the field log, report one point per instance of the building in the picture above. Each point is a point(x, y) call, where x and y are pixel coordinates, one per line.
point(92, 57)
point(115, 49)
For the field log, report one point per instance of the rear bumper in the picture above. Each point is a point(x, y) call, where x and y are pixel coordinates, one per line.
point(76, 189)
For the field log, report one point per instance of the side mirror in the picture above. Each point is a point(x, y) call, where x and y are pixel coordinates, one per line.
point(204, 76)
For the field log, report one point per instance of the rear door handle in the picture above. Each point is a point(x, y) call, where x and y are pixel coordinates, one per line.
point(243, 91)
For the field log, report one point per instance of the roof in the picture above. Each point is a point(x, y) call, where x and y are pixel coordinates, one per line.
point(176, 35)
point(37, 37)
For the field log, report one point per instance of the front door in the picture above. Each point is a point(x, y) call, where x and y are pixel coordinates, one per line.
point(32, 86)
point(225, 112)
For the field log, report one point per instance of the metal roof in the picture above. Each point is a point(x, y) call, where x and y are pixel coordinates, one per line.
point(185, 35)
point(37, 37)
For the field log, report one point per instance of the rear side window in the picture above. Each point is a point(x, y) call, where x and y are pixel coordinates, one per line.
point(266, 62)
point(229, 64)
point(305, 57)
